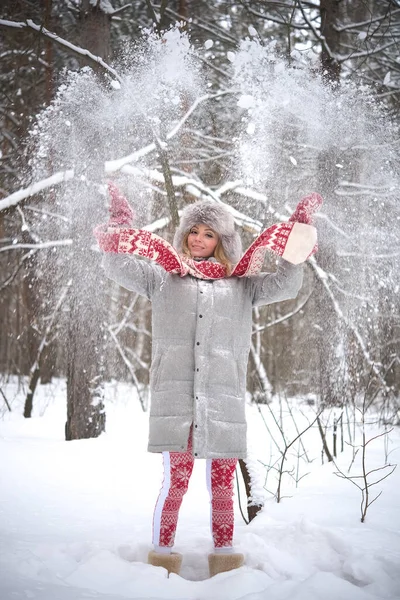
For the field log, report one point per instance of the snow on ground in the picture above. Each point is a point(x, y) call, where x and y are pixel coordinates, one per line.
point(75, 518)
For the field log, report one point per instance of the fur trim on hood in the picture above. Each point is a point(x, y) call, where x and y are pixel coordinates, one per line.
point(219, 219)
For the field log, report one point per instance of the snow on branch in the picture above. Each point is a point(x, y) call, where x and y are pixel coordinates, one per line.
point(40, 246)
point(29, 24)
point(35, 188)
point(115, 165)
point(110, 166)
point(197, 189)
point(117, 11)
point(194, 186)
point(15, 24)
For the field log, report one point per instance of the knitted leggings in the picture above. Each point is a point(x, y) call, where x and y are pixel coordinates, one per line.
point(178, 467)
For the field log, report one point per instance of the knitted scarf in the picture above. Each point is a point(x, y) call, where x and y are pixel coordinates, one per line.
point(295, 241)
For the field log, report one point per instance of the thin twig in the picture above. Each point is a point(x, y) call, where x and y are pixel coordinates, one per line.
point(5, 400)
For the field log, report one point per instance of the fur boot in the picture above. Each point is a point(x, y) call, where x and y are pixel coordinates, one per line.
point(219, 563)
point(172, 562)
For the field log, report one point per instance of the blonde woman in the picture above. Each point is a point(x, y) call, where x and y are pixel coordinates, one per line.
point(201, 331)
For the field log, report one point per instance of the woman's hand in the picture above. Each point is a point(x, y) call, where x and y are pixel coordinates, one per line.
point(121, 214)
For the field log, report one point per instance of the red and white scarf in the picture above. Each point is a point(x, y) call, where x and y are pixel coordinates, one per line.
point(294, 241)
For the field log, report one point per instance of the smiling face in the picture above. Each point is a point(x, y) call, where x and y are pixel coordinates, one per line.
point(202, 241)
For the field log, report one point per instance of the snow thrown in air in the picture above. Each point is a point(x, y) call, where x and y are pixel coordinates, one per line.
point(300, 134)
point(296, 134)
point(93, 120)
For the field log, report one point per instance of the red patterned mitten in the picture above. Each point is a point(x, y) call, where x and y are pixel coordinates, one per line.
point(121, 214)
point(302, 242)
point(121, 217)
point(295, 240)
point(306, 208)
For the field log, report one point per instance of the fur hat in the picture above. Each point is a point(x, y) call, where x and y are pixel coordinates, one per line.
point(219, 219)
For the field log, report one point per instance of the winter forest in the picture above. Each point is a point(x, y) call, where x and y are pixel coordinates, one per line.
point(254, 104)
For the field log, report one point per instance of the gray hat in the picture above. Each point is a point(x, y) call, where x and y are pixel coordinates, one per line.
point(219, 219)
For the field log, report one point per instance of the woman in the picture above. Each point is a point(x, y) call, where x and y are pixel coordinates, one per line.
point(201, 331)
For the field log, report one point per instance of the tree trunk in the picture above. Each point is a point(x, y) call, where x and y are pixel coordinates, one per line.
point(31, 304)
point(86, 334)
point(31, 392)
point(94, 29)
point(86, 325)
point(253, 509)
point(329, 11)
point(329, 334)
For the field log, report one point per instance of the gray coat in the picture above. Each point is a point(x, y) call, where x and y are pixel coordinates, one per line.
point(201, 333)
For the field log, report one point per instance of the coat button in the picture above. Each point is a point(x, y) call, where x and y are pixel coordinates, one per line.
point(197, 370)
point(197, 343)
point(195, 426)
point(195, 453)
point(200, 316)
point(197, 399)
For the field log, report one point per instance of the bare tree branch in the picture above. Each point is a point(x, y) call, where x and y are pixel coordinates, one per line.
point(77, 50)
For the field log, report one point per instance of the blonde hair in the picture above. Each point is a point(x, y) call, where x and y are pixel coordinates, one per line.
point(219, 253)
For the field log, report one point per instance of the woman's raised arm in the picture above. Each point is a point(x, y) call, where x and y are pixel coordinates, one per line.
point(134, 273)
point(284, 284)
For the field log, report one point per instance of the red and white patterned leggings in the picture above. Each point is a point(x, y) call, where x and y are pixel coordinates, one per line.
point(178, 467)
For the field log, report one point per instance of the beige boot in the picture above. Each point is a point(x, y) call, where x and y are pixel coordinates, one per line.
point(219, 563)
point(172, 562)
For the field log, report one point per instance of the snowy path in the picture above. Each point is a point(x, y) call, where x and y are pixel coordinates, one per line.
point(75, 522)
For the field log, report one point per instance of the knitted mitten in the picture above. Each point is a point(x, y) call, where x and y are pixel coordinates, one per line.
point(306, 208)
point(219, 563)
point(121, 214)
point(302, 242)
point(172, 562)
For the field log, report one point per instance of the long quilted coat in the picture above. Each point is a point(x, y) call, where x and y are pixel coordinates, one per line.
point(201, 332)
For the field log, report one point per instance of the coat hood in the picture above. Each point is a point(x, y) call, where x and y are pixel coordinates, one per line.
point(219, 219)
